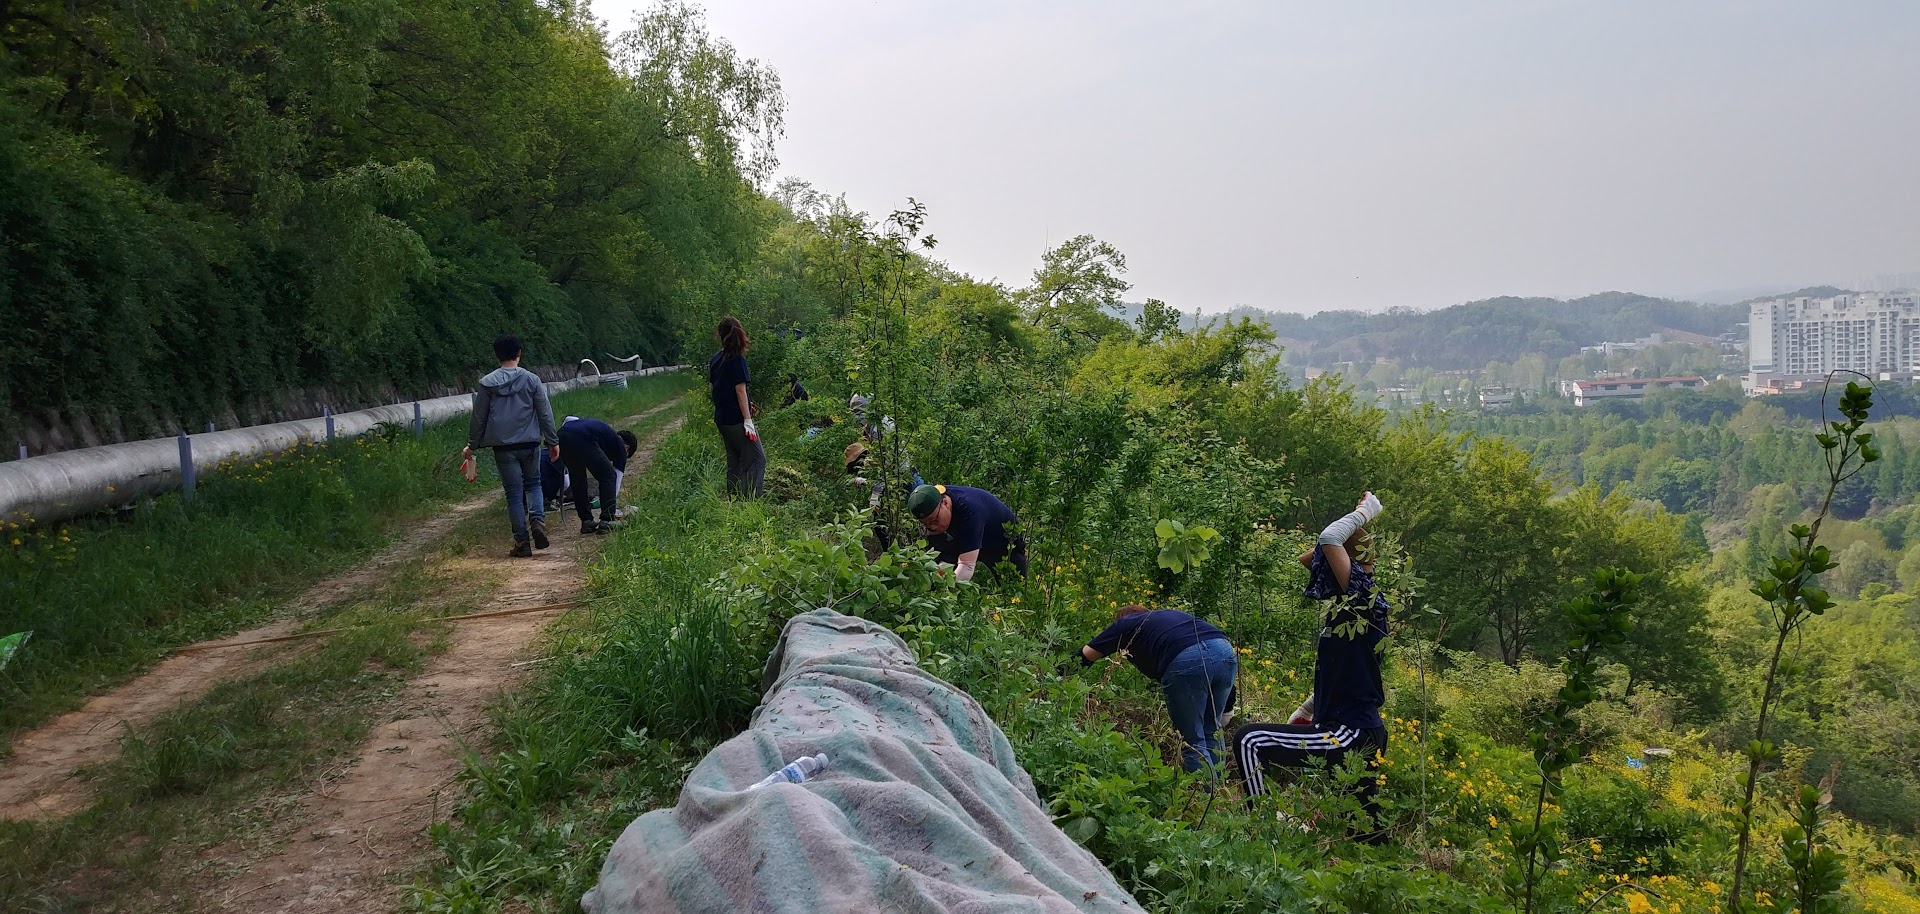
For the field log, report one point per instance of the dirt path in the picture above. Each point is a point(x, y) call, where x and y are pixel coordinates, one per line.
point(366, 821)
point(36, 780)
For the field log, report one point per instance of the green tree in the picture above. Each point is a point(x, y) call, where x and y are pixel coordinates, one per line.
point(728, 111)
point(1493, 565)
point(1671, 645)
point(1159, 320)
point(1077, 289)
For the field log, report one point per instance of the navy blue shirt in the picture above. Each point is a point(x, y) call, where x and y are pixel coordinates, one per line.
point(1346, 674)
point(584, 433)
point(1153, 638)
point(979, 522)
point(724, 371)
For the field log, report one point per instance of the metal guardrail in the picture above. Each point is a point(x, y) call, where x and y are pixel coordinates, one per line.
point(72, 483)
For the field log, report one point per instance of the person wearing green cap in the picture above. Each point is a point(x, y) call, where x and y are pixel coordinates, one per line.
point(968, 527)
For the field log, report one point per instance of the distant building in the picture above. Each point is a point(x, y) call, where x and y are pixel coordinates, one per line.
point(1609, 348)
point(1496, 397)
point(1770, 385)
point(1586, 393)
point(1398, 396)
point(1797, 338)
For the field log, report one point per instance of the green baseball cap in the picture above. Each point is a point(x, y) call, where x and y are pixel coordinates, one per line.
point(925, 500)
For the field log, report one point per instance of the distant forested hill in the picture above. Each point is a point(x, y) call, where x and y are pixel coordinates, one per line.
point(1472, 334)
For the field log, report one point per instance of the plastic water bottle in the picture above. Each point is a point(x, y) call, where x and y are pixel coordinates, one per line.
point(796, 771)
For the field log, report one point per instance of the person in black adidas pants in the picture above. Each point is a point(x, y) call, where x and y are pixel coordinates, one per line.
point(1342, 716)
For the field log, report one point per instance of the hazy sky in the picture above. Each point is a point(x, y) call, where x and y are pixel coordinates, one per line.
point(1310, 155)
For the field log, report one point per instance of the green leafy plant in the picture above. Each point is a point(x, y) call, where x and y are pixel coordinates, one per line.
point(902, 586)
point(11, 644)
point(1794, 597)
point(1599, 621)
point(1817, 870)
point(1183, 546)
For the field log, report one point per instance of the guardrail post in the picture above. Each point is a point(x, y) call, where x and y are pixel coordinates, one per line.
point(23, 452)
point(186, 468)
point(209, 426)
point(329, 410)
point(419, 421)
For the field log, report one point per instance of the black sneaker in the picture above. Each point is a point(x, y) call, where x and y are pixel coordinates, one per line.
point(539, 530)
point(521, 550)
point(590, 528)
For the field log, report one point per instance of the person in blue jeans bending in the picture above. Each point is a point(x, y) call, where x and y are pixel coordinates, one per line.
point(1194, 664)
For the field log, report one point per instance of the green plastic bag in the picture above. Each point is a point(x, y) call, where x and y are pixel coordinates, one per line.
point(10, 645)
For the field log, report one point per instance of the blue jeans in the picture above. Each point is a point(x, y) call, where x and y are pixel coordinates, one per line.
point(520, 476)
point(1196, 685)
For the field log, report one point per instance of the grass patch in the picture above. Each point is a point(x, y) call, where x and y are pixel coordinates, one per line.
point(193, 779)
point(224, 770)
point(106, 596)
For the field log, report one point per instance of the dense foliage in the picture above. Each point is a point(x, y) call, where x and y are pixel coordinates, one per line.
point(206, 206)
point(1103, 435)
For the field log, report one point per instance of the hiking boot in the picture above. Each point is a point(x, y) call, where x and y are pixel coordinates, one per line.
point(538, 528)
point(521, 550)
point(590, 528)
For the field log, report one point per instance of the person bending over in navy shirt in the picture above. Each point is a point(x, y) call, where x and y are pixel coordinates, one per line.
point(590, 447)
point(968, 528)
point(1343, 714)
point(1194, 664)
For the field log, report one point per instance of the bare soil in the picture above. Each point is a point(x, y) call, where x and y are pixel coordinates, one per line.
point(364, 824)
point(37, 780)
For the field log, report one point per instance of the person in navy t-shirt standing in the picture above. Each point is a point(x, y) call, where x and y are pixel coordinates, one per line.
point(1343, 713)
point(968, 528)
point(1191, 659)
point(727, 373)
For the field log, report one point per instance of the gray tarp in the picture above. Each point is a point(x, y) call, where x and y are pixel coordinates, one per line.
point(923, 808)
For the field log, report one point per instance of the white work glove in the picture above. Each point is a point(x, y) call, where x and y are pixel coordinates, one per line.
point(1302, 714)
point(1369, 508)
point(753, 434)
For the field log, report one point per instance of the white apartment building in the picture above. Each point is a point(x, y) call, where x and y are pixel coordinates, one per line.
point(1870, 332)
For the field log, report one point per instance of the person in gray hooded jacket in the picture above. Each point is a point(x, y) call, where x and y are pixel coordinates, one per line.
point(511, 415)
